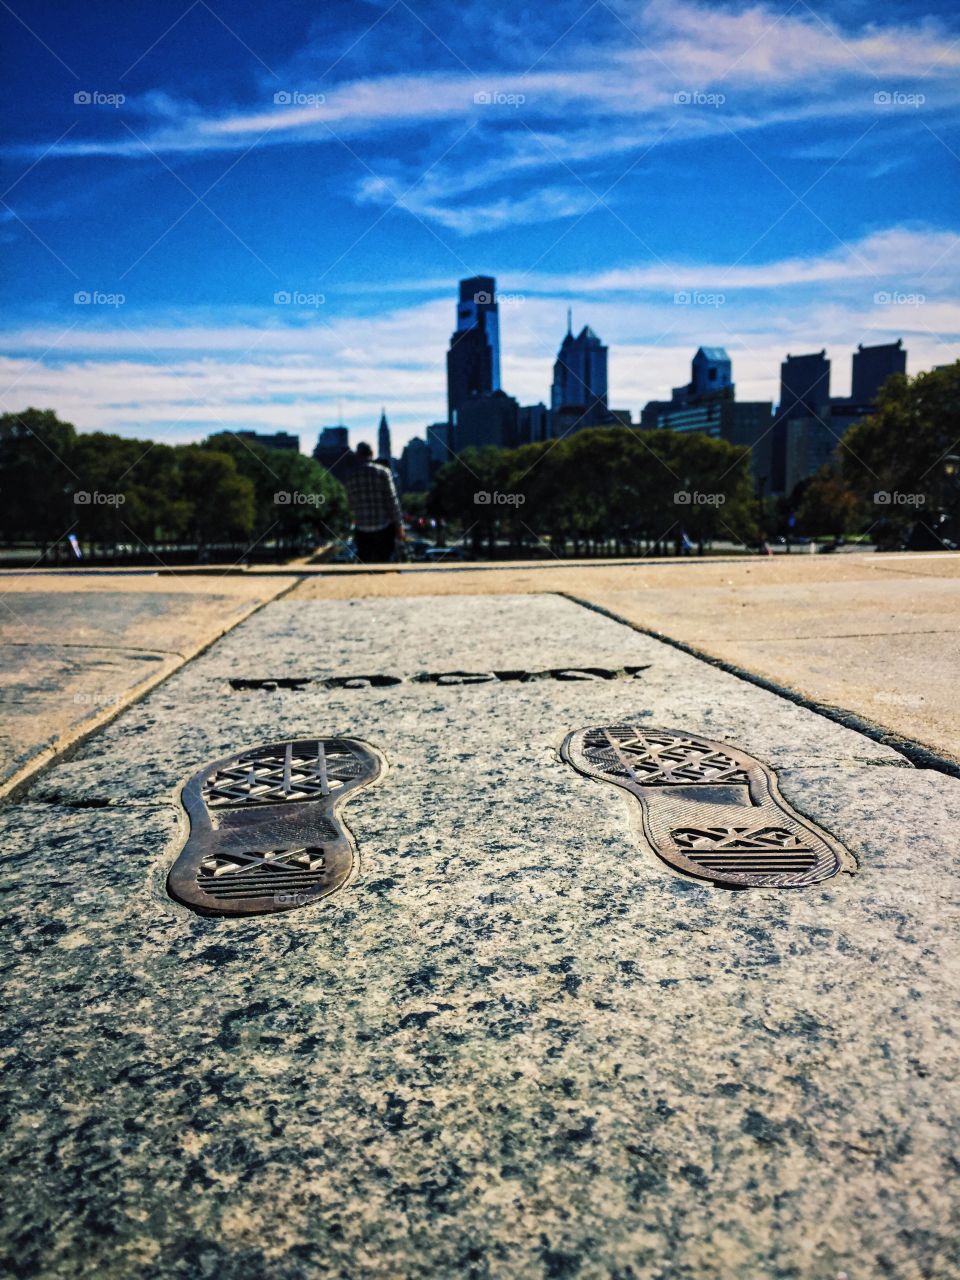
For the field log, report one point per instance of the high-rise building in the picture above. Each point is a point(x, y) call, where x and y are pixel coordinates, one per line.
point(578, 397)
point(534, 423)
point(871, 368)
point(708, 404)
point(278, 440)
point(711, 371)
point(809, 444)
point(491, 419)
point(415, 469)
point(473, 361)
point(438, 442)
point(383, 438)
point(711, 374)
point(752, 425)
point(619, 418)
point(804, 398)
point(333, 451)
point(804, 385)
point(652, 413)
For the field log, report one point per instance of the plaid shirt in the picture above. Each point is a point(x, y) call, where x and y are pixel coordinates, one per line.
point(373, 497)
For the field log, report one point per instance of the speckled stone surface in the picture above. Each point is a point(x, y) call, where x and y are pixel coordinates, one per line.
point(73, 651)
point(517, 1044)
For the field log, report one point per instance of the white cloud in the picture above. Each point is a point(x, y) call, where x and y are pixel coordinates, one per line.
point(176, 380)
point(593, 96)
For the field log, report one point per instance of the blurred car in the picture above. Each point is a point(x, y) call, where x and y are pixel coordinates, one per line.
point(435, 555)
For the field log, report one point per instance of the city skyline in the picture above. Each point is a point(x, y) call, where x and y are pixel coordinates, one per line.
point(282, 211)
point(789, 439)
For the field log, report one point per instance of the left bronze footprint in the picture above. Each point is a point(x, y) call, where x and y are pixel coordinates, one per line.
point(264, 828)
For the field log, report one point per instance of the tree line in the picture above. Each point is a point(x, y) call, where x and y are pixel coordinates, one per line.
point(606, 489)
point(598, 491)
point(111, 491)
point(896, 474)
point(894, 479)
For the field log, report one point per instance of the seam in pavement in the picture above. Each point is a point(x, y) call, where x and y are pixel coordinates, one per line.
point(14, 787)
point(76, 644)
point(916, 753)
point(849, 635)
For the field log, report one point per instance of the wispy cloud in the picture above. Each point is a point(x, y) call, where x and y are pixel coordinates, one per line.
point(147, 379)
point(659, 75)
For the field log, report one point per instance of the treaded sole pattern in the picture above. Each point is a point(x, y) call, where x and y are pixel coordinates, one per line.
point(709, 809)
point(264, 831)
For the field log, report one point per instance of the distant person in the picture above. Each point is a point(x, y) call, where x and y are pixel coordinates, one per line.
point(377, 518)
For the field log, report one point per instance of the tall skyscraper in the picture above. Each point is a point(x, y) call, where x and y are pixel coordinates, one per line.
point(333, 451)
point(383, 438)
point(803, 416)
point(473, 361)
point(578, 397)
point(872, 366)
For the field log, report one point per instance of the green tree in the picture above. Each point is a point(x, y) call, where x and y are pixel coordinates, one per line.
point(601, 488)
point(297, 501)
point(908, 447)
point(37, 476)
point(106, 479)
point(716, 475)
point(156, 509)
point(221, 500)
point(458, 490)
point(828, 505)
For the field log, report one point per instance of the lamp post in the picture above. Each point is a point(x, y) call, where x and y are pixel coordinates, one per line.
point(761, 517)
point(950, 490)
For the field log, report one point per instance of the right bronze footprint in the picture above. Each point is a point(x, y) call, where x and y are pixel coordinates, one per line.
point(708, 809)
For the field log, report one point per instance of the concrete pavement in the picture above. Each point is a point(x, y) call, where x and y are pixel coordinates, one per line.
point(877, 635)
point(76, 648)
point(517, 1044)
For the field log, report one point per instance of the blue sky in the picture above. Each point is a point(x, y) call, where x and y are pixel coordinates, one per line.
point(791, 170)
